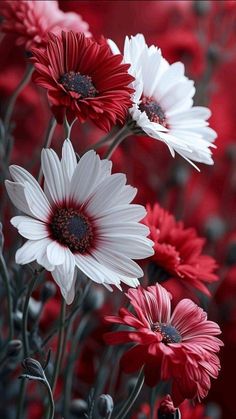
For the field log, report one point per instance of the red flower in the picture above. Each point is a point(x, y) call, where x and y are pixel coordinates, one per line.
point(83, 79)
point(180, 347)
point(178, 250)
point(31, 20)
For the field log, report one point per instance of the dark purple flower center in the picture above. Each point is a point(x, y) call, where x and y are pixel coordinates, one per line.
point(72, 229)
point(79, 83)
point(169, 333)
point(153, 110)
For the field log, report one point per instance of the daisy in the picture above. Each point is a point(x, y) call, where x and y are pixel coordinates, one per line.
point(181, 346)
point(178, 250)
point(163, 102)
point(82, 220)
point(83, 80)
point(30, 21)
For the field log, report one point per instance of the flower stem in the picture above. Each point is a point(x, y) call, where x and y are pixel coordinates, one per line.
point(59, 353)
point(51, 401)
point(121, 135)
point(25, 341)
point(133, 396)
point(68, 127)
point(25, 80)
point(103, 140)
point(48, 139)
point(6, 280)
point(70, 365)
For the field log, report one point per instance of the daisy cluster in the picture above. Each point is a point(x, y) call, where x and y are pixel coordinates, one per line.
point(82, 228)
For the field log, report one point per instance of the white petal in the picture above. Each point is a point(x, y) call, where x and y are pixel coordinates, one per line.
point(53, 175)
point(64, 276)
point(30, 228)
point(102, 198)
point(37, 202)
point(123, 213)
point(118, 262)
point(56, 253)
point(16, 192)
point(68, 160)
point(134, 247)
point(31, 250)
point(85, 177)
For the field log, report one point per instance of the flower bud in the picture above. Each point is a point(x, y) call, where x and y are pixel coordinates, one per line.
point(14, 347)
point(179, 175)
point(214, 228)
point(33, 368)
point(79, 408)
point(93, 300)
point(105, 405)
point(34, 308)
point(48, 291)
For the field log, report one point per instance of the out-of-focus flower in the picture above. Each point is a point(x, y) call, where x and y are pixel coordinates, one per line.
point(180, 347)
point(163, 102)
point(83, 79)
point(82, 219)
point(178, 250)
point(31, 20)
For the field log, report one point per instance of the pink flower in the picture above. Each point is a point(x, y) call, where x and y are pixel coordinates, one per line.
point(31, 20)
point(178, 250)
point(180, 346)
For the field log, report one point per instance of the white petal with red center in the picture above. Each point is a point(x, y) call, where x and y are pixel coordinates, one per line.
point(31, 250)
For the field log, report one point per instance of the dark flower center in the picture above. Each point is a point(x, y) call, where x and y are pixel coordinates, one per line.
point(79, 83)
point(169, 333)
point(72, 229)
point(153, 110)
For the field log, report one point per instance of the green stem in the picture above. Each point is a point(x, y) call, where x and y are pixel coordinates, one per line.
point(25, 314)
point(70, 365)
point(121, 135)
point(25, 341)
point(68, 127)
point(48, 140)
point(59, 353)
point(51, 401)
point(133, 396)
point(6, 280)
point(25, 80)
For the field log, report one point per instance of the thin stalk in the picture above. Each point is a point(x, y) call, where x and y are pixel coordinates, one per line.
point(70, 365)
point(133, 396)
point(103, 140)
point(48, 140)
point(51, 401)
point(6, 280)
point(59, 353)
point(25, 80)
point(19, 413)
point(121, 135)
point(68, 127)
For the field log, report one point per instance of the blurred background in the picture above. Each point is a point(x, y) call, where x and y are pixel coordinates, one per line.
point(202, 34)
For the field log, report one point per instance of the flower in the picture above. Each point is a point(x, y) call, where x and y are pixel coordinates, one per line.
point(163, 102)
point(181, 346)
point(31, 20)
point(178, 250)
point(83, 79)
point(82, 219)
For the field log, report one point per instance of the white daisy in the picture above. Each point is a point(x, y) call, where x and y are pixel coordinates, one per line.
point(163, 102)
point(83, 219)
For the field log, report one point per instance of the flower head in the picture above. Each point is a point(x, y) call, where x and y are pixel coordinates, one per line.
point(178, 250)
point(163, 102)
point(31, 20)
point(83, 219)
point(83, 79)
point(181, 346)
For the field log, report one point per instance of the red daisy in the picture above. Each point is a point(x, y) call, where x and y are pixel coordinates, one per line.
point(180, 347)
point(31, 20)
point(178, 250)
point(83, 79)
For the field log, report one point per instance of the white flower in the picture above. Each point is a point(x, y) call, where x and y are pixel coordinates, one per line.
point(83, 219)
point(163, 102)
